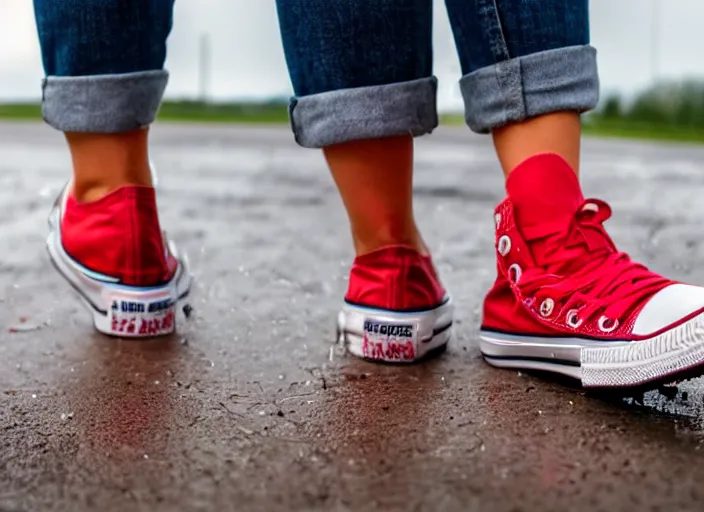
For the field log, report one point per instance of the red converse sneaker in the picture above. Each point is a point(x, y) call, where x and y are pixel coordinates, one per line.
point(395, 310)
point(114, 255)
point(567, 301)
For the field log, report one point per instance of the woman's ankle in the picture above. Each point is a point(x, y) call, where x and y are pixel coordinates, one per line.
point(103, 163)
point(385, 235)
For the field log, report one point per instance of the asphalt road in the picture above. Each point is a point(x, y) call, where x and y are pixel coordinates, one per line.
point(253, 407)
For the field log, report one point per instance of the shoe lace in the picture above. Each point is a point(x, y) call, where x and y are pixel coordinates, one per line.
point(579, 268)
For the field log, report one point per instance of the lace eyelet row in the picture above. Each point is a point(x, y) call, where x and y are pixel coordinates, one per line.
point(605, 324)
point(547, 306)
point(503, 247)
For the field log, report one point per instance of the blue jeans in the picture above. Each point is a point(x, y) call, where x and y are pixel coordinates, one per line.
point(104, 62)
point(362, 69)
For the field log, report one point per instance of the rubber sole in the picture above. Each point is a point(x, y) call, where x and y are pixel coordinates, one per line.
point(116, 309)
point(672, 356)
point(395, 337)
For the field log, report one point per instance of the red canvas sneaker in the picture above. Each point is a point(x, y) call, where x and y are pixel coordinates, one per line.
point(113, 253)
point(567, 301)
point(395, 309)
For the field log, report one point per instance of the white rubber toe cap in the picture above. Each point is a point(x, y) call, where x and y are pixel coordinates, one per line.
point(667, 307)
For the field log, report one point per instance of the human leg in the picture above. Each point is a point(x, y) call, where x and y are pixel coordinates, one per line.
point(362, 75)
point(529, 72)
point(565, 300)
point(105, 80)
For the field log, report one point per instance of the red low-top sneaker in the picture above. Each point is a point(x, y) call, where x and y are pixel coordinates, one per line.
point(395, 309)
point(566, 301)
point(114, 254)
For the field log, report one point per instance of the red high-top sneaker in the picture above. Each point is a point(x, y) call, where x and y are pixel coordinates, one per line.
point(567, 301)
point(395, 310)
point(113, 253)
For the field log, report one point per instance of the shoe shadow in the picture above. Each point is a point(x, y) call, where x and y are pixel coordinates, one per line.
point(683, 402)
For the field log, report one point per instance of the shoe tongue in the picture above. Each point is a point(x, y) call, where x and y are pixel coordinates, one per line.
point(543, 189)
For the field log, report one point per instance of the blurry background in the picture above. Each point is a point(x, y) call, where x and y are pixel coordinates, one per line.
point(229, 51)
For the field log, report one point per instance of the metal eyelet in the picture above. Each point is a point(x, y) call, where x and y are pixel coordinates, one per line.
point(603, 327)
point(514, 273)
point(547, 307)
point(504, 245)
point(590, 207)
point(572, 319)
point(497, 220)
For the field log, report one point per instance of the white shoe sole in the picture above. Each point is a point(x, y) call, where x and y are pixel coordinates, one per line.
point(117, 309)
point(676, 354)
point(395, 337)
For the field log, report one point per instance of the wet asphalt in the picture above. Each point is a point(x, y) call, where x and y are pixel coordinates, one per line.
point(252, 406)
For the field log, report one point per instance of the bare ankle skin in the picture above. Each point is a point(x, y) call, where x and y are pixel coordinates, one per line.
point(375, 180)
point(558, 133)
point(103, 163)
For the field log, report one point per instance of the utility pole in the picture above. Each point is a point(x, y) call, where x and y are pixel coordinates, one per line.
point(655, 41)
point(204, 67)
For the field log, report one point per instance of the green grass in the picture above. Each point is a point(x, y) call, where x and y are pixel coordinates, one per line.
point(277, 113)
point(183, 111)
point(21, 111)
point(621, 128)
point(452, 119)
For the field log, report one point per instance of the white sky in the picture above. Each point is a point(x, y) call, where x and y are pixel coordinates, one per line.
point(247, 59)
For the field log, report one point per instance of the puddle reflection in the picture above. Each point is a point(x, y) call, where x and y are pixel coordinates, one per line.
point(123, 396)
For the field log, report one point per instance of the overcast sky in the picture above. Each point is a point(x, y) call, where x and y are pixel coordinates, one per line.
point(247, 59)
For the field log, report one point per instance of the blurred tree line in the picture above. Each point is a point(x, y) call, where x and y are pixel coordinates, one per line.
point(675, 105)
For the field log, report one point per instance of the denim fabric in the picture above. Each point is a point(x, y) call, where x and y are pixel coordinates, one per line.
point(564, 79)
point(104, 62)
point(376, 111)
point(360, 49)
point(99, 37)
point(340, 44)
point(103, 103)
point(491, 31)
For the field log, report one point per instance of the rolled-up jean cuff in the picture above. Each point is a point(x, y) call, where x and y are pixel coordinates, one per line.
point(402, 108)
point(561, 80)
point(103, 103)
